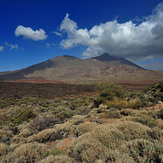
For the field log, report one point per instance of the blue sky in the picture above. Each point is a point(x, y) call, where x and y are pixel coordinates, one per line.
point(33, 31)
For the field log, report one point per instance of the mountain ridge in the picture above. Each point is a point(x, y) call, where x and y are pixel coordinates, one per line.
point(67, 68)
point(111, 59)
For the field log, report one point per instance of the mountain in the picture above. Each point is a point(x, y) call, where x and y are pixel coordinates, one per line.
point(114, 60)
point(71, 69)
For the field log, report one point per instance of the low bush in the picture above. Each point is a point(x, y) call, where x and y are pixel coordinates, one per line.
point(84, 127)
point(65, 114)
point(57, 151)
point(108, 91)
point(112, 114)
point(57, 159)
point(44, 122)
point(81, 102)
point(42, 136)
point(88, 149)
point(113, 135)
point(29, 152)
point(146, 120)
point(3, 149)
point(83, 110)
point(23, 115)
point(141, 150)
point(122, 104)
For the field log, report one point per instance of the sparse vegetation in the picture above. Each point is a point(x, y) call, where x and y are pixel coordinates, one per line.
point(115, 126)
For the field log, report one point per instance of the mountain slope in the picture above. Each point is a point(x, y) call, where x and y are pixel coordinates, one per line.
point(115, 60)
point(72, 69)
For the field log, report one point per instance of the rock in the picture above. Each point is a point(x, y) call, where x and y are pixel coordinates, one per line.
point(63, 144)
point(113, 109)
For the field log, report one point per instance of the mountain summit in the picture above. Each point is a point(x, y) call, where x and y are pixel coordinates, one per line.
point(114, 60)
point(71, 69)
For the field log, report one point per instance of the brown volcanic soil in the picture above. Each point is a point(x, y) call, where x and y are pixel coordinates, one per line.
point(43, 90)
point(34, 81)
point(51, 89)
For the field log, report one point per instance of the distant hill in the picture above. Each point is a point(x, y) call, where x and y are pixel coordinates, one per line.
point(71, 69)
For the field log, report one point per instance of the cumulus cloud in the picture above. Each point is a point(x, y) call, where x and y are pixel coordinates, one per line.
point(1, 48)
point(75, 36)
point(29, 33)
point(136, 42)
point(12, 46)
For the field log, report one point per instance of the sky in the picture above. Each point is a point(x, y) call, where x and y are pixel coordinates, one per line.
point(33, 31)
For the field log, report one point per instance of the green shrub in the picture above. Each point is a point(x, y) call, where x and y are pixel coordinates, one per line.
point(65, 114)
point(108, 91)
point(23, 115)
point(57, 151)
point(84, 101)
point(54, 152)
point(146, 120)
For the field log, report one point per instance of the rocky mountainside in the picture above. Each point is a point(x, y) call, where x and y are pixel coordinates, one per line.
point(71, 69)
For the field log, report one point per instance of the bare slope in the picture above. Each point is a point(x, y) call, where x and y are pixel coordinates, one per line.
point(72, 69)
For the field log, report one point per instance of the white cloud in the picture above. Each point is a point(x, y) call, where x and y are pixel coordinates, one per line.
point(12, 46)
point(75, 36)
point(29, 33)
point(57, 33)
point(1, 48)
point(48, 45)
point(136, 42)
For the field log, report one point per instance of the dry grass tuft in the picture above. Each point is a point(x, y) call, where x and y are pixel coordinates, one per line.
point(105, 141)
point(57, 159)
point(113, 135)
point(111, 114)
point(3, 149)
point(30, 152)
point(41, 136)
point(68, 125)
point(142, 150)
point(85, 127)
point(4, 134)
point(25, 133)
point(88, 149)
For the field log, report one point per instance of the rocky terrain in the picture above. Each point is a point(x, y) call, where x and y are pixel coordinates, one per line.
point(113, 126)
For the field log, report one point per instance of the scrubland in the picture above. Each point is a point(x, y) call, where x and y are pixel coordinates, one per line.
point(116, 126)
